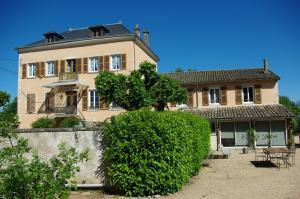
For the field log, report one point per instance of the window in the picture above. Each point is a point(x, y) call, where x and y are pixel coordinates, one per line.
point(93, 64)
point(248, 94)
point(50, 39)
point(214, 96)
point(93, 99)
point(71, 65)
point(49, 68)
point(115, 62)
point(31, 70)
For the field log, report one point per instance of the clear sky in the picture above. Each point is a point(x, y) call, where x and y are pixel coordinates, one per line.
point(203, 35)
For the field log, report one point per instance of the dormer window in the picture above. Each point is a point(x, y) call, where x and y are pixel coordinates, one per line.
point(98, 31)
point(51, 37)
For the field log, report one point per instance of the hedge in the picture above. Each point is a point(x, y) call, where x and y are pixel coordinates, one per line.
point(69, 122)
point(43, 122)
point(149, 152)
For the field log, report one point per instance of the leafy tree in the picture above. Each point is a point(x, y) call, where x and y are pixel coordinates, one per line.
point(11, 107)
point(4, 98)
point(288, 103)
point(179, 69)
point(24, 175)
point(142, 88)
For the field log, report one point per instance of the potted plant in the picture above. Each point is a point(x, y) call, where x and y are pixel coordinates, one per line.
point(269, 137)
point(252, 138)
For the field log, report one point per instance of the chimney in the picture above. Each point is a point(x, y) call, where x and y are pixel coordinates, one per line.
point(137, 30)
point(266, 65)
point(146, 37)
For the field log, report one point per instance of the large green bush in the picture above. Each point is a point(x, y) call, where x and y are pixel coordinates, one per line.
point(43, 122)
point(69, 122)
point(149, 152)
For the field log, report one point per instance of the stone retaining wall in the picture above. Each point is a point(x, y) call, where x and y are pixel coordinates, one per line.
point(46, 141)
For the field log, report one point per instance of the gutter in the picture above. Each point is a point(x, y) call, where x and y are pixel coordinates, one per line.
point(89, 41)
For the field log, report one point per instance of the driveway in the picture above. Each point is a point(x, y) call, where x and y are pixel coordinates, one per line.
point(236, 177)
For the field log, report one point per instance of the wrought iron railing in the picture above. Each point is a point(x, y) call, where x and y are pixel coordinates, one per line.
point(65, 110)
point(68, 76)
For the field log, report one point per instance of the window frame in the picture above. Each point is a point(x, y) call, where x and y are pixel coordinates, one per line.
point(111, 62)
point(33, 75)
point(209, 96)
point(90, 66)
point(248, 95)
point(47, 69)
point(73, 65)
point(95, 102)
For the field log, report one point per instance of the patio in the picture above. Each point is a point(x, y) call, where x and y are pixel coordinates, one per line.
point(235, 177)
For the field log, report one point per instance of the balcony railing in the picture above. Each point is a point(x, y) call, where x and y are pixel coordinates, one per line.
point(68, 76)
point(65, 110)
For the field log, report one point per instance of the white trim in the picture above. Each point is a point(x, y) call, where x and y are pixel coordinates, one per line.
point(209, 97)
point(111, 62)
point(28, 70)
point(94, 103)
point(89, 64)
point(46, 69)
point(248, 102)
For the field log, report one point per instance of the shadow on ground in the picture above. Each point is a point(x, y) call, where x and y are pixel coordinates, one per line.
point(263, 164)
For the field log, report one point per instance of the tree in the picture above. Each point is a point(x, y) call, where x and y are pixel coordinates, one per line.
point(142, 88)
point(179, 69)
point(11, 107)
point(4, 98)
point(288, 103)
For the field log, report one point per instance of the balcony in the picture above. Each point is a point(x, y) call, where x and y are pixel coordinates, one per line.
point(63, 110)
point(68, 76)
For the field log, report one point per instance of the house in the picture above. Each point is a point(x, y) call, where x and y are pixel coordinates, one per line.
point(234, 101)
point(56, 74)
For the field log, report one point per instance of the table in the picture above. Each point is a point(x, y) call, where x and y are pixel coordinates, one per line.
point(278, 153)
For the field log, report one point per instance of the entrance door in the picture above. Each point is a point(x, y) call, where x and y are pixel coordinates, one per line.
point(227, 134)
point(241, 129)
point(262, 129)
point(71, 102)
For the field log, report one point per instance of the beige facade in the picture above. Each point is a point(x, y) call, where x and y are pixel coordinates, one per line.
point(269, 93)
point(134, 50)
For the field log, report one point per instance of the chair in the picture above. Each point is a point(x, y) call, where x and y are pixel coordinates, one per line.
point(286, 159)
point(292, 155)
point(259, 154)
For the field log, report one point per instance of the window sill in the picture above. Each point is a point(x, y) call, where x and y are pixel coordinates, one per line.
point(214, 104)
point(113, 70)
point(50, 76)
point(93, 110)
point(34, 77)
point(247, 103)
point(93, 72)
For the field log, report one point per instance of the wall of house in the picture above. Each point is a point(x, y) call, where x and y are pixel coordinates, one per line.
point(269, 92)
point(134, 55)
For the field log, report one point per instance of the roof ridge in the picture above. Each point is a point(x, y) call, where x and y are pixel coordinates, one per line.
point(217, 70)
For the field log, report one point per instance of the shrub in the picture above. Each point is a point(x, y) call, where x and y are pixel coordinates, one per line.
point(69, 122)
point(23, 173)
point(151, 152)
point(43, 123)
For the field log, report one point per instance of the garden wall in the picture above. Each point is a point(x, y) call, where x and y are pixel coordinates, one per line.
point(47, 140)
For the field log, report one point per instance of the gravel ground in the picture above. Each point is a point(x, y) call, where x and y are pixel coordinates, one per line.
point(232, 178)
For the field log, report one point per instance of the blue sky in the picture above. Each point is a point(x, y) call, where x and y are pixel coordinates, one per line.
point(202, 35)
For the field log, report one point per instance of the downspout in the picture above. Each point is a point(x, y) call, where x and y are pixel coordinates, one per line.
point(197, 96)
point(134, 52)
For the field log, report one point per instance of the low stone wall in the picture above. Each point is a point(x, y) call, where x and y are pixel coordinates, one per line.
point(46, 141)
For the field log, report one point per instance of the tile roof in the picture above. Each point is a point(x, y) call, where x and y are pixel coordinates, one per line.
point(242, 112)
point(205, 77)
point(85, 33)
